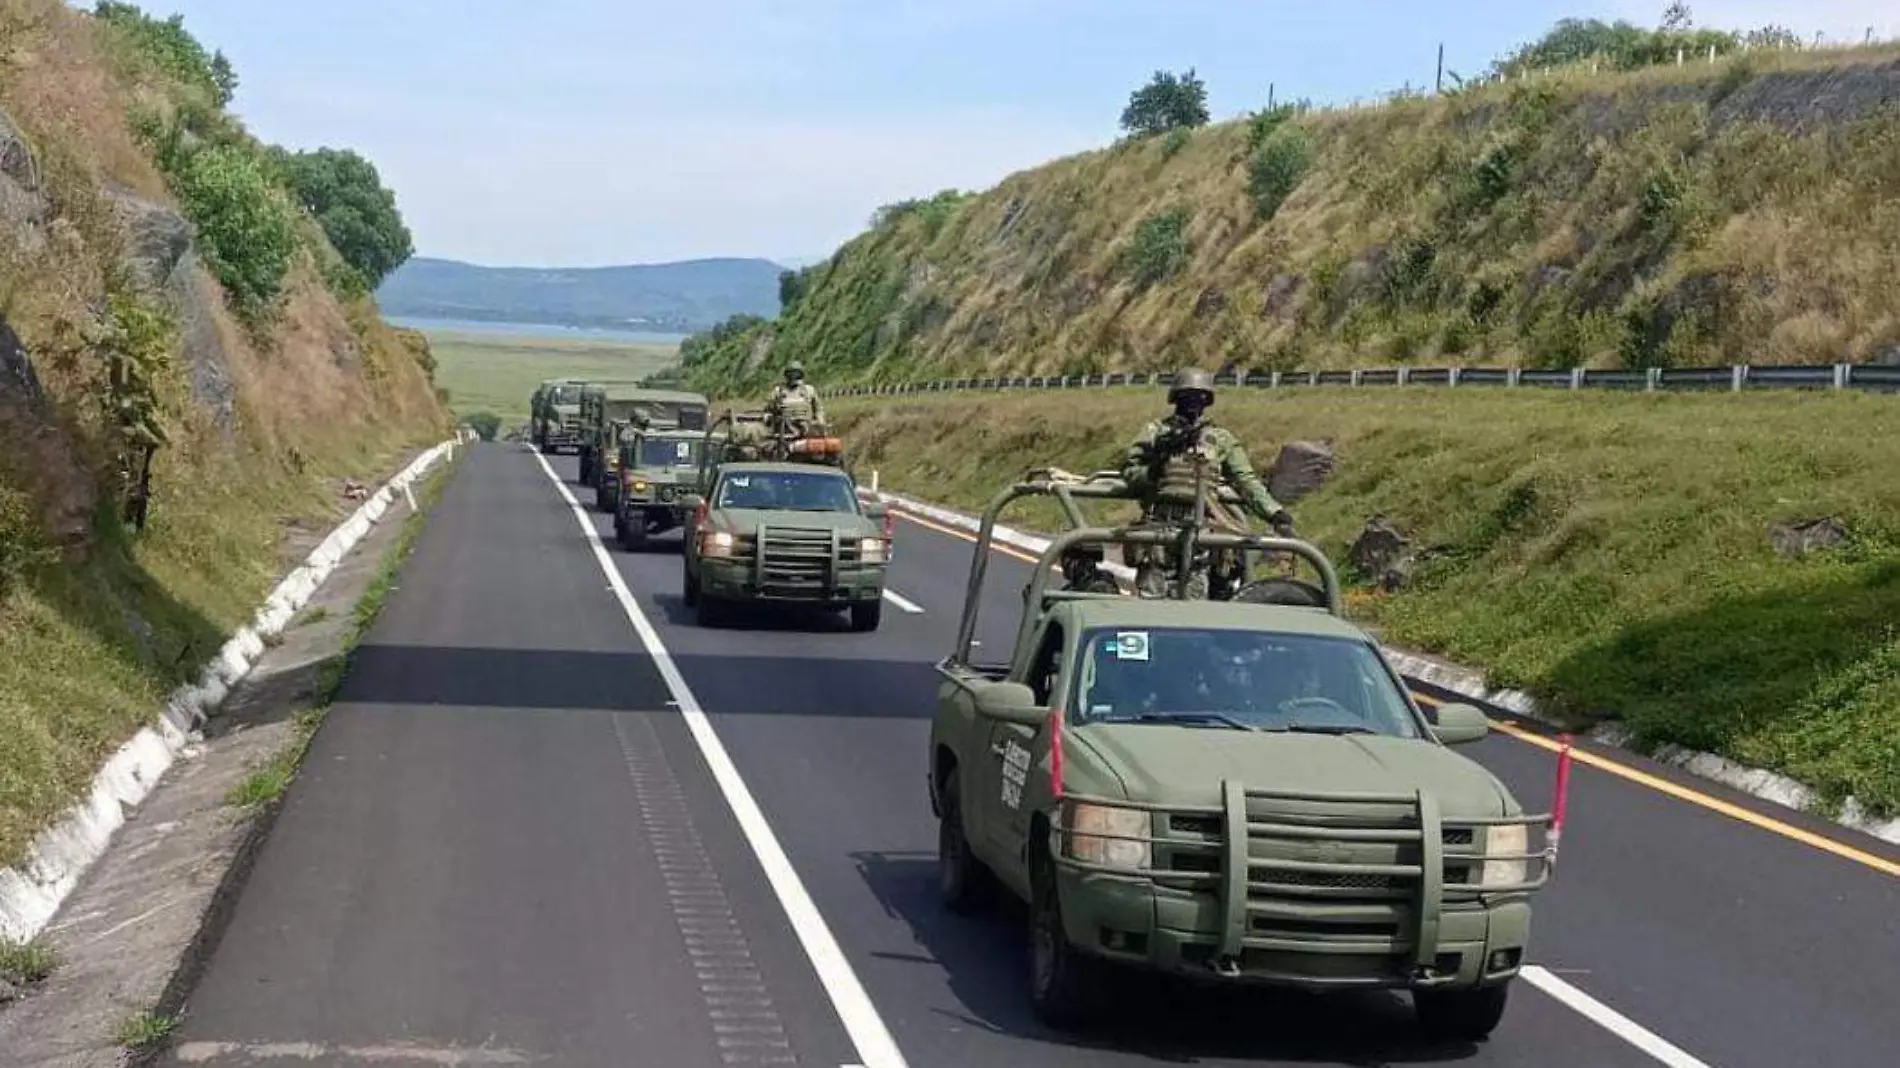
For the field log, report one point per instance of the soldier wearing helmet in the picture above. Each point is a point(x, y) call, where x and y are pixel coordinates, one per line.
point(795, 403)
point(1160, 465)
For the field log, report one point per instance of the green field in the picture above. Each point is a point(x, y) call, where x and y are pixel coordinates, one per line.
point(497, 373)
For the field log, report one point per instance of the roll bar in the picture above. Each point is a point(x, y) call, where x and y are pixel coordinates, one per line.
point(1108, 486)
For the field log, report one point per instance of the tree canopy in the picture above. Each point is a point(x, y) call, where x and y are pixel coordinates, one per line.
point(358, 214)
point(1168, 102)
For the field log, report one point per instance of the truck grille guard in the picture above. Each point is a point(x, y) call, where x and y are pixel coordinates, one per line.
point(1439, 861)
point(802, 563)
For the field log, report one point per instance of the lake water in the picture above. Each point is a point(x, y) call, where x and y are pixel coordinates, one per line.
point(540, 330)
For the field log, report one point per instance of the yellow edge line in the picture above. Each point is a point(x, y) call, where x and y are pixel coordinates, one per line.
point(1580, 755)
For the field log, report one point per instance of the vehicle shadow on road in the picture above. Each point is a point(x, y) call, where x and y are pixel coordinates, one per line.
point(985, 956)
point(765, 617)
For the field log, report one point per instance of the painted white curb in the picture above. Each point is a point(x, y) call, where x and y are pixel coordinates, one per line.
point(1756, 782)
point(32, 892)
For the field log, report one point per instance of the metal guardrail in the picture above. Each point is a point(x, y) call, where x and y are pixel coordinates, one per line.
point(1863, 377)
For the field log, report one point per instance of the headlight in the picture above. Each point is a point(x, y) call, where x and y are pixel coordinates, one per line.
point(874, 550)
point(715, 543)
point(639, 486)
point(1091, 821)
point(1504, 840)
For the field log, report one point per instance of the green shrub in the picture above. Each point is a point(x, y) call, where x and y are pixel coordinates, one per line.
point(23, 547)
point(486, 424)
point(245, 225)
point(1158, 248)
point(1176, 140)
point(1278, 167)
point(346, 195)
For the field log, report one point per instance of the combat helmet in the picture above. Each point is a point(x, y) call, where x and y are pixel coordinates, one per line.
point(1191, 381)
point(796, 367)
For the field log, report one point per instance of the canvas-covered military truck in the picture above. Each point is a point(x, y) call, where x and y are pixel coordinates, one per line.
point(1099, 774)
point(790, 532)
point(659, 469)
point(603, 403)
point(555, 414)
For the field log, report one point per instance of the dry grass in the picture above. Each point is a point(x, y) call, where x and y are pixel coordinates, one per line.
point(1735, 212)
point(94, 635)
point(1609, 553)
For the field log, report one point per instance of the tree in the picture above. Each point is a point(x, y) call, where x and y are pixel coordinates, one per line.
point(357, 213)
point(1167, 102)
point(791, 287)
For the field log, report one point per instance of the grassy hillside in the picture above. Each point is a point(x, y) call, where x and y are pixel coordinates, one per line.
point(1740, 211)
point(1608, 553)
point(691, 295)
point(497, 373)
point(162, 281)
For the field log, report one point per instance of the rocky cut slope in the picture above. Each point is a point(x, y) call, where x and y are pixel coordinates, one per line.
point(1736, 211)
point(162, 295)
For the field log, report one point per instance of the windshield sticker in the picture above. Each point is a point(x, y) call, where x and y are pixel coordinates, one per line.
point(683, 449)
point(1131, 645)
point(741, 481)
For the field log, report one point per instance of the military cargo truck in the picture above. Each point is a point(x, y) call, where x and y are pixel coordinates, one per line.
point(1100, 774)
point(659, 469)
point(604, 402)
point(790, 531)
point(554, 414)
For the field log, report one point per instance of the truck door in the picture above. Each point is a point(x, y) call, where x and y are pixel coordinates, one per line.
point(1016, 750)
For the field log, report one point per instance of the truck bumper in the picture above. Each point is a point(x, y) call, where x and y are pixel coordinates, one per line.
point(733, 580)
point(659, 517)
point(1132, 921)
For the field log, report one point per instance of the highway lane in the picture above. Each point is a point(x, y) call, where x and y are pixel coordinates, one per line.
point(489, 841)
point(829, 729)
point(503, 848)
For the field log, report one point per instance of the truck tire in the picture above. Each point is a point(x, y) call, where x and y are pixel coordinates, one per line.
point(689, 588)
point(1064, 984)
point(866, 615)
point(1460, 1015)
point(635, 540)
point(962, 880)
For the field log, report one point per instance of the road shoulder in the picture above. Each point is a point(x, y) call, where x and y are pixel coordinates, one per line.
point(133, 936)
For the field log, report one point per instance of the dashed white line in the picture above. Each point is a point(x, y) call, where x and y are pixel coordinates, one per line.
point(872, 1039)
point(904, 603)
point(1610, 1020)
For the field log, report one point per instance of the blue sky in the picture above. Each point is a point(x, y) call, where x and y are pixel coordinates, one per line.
point(580, 132)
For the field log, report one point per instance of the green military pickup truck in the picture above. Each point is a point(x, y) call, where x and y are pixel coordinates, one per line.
point(555, 415)
point(659, 468)
point(784, 532)
point(1100, 775)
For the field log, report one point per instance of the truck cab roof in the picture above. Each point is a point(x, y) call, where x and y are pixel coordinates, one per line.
point(1123, 611)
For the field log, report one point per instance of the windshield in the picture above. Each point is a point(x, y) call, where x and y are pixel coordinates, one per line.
point(669, 452)
point(790, 490)
point(1236, 678)
point(564, 394)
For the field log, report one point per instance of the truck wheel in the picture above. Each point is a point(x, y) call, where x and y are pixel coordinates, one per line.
point(866, 615)
point(711, 611)
point(962, 880)
point(636, 540)
point(1064, 984)
point(689, 589)
point(1460, 1015)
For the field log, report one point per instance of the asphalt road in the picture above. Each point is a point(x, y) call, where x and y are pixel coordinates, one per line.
point(518, 839)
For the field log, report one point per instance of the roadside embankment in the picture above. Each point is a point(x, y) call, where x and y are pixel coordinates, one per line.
point(1610, 555)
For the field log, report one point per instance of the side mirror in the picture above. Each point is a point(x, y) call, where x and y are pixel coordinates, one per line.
point(1458, 724)
point(1011, 702)
point(874, 509)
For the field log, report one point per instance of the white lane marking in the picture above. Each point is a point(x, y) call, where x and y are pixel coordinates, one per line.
point(906, 604)
point(1609, 1019)
point(876, 1048)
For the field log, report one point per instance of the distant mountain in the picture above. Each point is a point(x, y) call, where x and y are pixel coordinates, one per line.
point(687, 296)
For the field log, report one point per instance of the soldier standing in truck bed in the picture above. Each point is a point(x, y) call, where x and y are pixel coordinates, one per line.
point(1161, 466)
point(795, 402)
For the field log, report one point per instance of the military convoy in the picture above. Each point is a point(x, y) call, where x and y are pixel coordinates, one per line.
point(780, 521)
point(1099, 774)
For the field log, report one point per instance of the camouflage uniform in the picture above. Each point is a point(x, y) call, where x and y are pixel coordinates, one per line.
point(794, 401)
point(1165, 478)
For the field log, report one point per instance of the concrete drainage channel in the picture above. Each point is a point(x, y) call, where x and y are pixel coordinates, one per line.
point(1452, 682)
point(129, 939)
